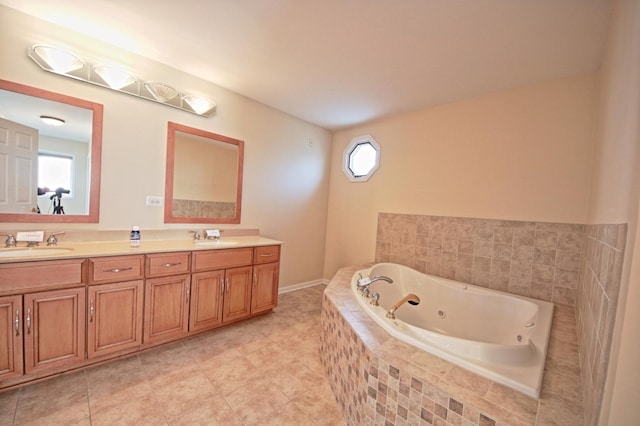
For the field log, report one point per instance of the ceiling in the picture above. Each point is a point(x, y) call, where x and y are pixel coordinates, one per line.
point(337, 63)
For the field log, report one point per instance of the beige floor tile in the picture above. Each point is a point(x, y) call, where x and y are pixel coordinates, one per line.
point(9, 401)
point(55, 409)
point(210, 412)
point(263, 371)
point(233, 375)
point(184, 394)
point(135, 412)
point(107, 393)
point(257, 401)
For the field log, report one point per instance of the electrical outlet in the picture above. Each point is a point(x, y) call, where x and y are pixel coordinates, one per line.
point(155, 201)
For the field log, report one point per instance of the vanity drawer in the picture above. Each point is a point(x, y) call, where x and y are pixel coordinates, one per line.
point(115, 268)
point(221, 259)
point(162, 264)
point(266, 254)
point(36, 276)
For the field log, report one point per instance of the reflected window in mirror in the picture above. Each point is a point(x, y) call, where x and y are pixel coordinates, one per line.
point(26, 145)
point(203, 177)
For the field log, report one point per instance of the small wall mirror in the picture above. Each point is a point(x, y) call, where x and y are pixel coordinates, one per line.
point(203, 176)
point(48, 173)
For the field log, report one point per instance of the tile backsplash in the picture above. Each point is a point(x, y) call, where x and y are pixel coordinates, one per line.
point(534, 259)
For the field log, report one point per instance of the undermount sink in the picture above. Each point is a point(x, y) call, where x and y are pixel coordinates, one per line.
point(216, 243)
point(32, 251)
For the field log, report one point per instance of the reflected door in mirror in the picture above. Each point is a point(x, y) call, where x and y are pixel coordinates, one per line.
point(53, 174)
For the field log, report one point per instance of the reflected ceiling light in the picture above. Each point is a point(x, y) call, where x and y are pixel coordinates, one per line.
point(161, 92)
point(61, 62)
point(199, 104)
point(52, 121)
point(115, 77)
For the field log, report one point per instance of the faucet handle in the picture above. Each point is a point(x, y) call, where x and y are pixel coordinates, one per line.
point(52, 240)
point(196, 235)
point(10, 241)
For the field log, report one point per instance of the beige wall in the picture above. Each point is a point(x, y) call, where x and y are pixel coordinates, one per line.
point(284, 176)
point(204, 170)
point(615, 198)
point(523, 154)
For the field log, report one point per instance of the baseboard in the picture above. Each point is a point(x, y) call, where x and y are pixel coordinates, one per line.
point(300, 286)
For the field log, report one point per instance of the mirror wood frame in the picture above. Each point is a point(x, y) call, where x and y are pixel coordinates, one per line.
point(93, 215)
point(172, 128)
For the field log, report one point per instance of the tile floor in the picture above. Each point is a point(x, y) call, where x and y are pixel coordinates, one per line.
point(265, 371)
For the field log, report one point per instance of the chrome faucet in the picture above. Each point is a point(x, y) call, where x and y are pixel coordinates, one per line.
point(52, 240)
point(196, 235)
point(412, 299)
point(365, 282)
point(10, 241)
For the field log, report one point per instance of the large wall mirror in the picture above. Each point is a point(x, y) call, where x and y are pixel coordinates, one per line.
point(50, 153)
point(203, 176)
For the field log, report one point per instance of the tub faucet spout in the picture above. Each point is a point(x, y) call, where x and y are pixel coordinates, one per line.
point(412, 299)
point(367, 281)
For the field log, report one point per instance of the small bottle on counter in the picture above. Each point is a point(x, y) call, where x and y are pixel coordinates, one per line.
point(135, 237)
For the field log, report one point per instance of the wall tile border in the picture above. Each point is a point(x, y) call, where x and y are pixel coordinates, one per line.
point(533, 259)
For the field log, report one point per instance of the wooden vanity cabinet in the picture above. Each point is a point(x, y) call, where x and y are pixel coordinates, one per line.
point(42, 324)
point(54, 329)
point(11, 331)
point(266, 273)
point(228, 275)
point(167, 297)
point(115, 303)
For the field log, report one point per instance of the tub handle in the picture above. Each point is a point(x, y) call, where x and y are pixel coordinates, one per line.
point(531, 324)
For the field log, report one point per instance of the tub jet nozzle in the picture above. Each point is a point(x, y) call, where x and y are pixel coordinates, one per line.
point(412, 299)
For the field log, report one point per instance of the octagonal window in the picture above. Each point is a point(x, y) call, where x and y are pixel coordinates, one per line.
point(361, 158)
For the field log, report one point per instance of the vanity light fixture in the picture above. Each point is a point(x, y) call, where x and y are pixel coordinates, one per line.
point(116, 78)
point(67, 64)
point(52, 121)
point(199, 104)
point(161, 92)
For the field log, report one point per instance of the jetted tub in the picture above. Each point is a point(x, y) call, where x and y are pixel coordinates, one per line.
point(498, 335)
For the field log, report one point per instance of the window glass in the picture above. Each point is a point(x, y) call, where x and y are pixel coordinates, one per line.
point(361, 158)
point(54, 171)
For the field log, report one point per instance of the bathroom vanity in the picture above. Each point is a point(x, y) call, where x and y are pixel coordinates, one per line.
point(66, 308)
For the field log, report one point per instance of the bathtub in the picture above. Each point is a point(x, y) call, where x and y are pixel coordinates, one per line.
point(500, 336)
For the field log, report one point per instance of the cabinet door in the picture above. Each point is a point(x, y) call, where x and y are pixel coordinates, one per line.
point(166, 308)
point(115, 317)
point(237, 294)
point(11, 359)
point(206, 300)
point(54, 323)
point(264, 295)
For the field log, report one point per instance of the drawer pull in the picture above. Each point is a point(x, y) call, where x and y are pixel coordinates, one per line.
point(116, 270)
point(28, 321)
point(171, 265)
point(92, 310)
point(17, 322)
point(267, 255)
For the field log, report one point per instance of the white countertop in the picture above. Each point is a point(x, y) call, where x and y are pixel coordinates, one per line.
point(72, 250)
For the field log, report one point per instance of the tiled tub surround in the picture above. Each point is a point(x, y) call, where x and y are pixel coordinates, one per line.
point(380, 380)
point(568, 264)
point(534, 259)
point(596, 308)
